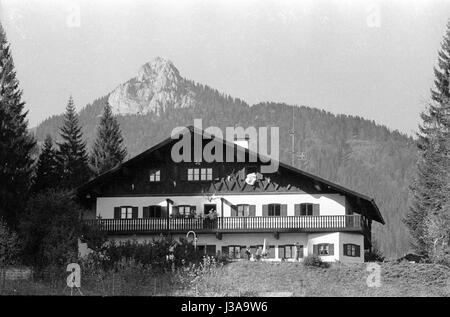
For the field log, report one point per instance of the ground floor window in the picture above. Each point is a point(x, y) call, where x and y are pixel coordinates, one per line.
point(323, 249)
point(352, 250)
point(256, 249)
point(234, 251)
point(290, 251)
point(208, 250)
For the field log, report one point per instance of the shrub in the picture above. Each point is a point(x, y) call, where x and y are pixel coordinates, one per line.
point(93, 236)
point(50, 229)
point(151, 253)
point(374, 255)
point(9, 245)
point(314, 260)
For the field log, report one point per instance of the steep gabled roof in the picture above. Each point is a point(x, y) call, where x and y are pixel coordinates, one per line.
point(373, 211)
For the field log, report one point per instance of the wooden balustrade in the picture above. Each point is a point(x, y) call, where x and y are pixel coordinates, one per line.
point(230, 224)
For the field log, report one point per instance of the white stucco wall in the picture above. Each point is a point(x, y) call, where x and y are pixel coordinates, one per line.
point(355, 238)
point(330, 204)
point(316, 238)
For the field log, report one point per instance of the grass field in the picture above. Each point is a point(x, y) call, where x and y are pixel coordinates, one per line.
point(258, 278)
point(252, 279)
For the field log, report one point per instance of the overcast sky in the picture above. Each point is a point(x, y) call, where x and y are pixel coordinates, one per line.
point(369, 58)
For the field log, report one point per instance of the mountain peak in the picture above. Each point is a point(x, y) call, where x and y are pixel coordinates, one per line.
point(156, 86)
point(158, 68)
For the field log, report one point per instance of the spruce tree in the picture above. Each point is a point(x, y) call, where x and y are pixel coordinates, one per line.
point(430, 185)
point(16, 144)
point(72, 156)
point(47, 175)
point(108, 150)
point(441, 93)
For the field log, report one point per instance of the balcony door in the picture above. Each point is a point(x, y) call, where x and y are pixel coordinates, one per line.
point(208, 208)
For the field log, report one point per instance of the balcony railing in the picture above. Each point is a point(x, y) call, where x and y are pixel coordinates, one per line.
point(230, 224)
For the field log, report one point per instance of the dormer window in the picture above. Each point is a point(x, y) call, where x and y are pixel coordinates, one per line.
point(199, 174)
point(155, 175)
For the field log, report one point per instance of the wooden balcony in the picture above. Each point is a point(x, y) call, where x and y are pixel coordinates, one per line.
point(229, 224)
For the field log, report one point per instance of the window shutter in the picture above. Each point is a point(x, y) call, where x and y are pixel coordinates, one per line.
point(316, 249)
point(265, 210)
point(175, 210)
point(134, 212)
point(116, 212)
point(163, 212)
point(233, 211)
point(299, 251)
point(345, 249)
point(331, 249)
point(283, 210)
point(316, 210)
point(358, 251)
point(297, 209)
point(281, 251)
point(252, 209)
point(146, 212)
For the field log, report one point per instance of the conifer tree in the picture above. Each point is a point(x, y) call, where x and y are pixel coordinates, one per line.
point(430, 185)
point(16, 144)
point(72, 156)
point(108, 150)
point(442, 71)
point(47, 175)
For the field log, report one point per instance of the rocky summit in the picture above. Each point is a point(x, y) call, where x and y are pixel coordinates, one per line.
point(156, 87)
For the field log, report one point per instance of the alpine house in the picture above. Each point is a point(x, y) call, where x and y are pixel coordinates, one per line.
point(230, 207)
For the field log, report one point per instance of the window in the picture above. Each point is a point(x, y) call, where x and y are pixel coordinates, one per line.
point(126, 212)
point(243, 210)
point(155, 176)
point(351, 250)
point(289, 251)
point(235, 251)
point(202, 174)
point(254, 249)
point(211, 250)
point(306, 209)
point(325, 249)
point(185, 210)
point(274, 210)
point(154, 211)
point(207, 249)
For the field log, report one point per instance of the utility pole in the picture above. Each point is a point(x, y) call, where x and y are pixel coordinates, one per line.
point(292, 133)
point(294, 156)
